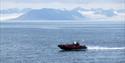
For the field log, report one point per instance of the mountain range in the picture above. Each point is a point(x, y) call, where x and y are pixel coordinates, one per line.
point(51, 14)
point(63, 14)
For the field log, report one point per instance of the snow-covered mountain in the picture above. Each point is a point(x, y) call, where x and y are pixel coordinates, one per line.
point(63, 14)
point(51, 14)
point(102, 14)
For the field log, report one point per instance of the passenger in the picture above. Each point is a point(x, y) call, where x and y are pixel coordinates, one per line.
point(76, 43)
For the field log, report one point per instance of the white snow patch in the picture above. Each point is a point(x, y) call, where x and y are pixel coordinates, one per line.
point(4, 17)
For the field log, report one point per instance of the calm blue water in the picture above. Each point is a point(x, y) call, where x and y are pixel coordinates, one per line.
point(36, 42)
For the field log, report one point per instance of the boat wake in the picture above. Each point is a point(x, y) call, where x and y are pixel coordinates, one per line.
point(105, 48)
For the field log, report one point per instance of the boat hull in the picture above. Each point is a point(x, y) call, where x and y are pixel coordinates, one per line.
point(72, 47)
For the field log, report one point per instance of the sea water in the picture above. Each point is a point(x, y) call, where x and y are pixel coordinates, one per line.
point(36, 41)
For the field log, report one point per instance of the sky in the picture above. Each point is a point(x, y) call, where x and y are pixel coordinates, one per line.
point(67, 4)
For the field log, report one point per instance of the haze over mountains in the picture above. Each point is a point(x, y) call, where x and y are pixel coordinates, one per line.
point(51, 14)
point(63, 14)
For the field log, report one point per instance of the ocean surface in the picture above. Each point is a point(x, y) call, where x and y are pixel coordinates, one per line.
point(36, 41)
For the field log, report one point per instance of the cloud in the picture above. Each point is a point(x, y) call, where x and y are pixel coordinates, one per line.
point(67, 1)
point(68, 4)
point(6, 5)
